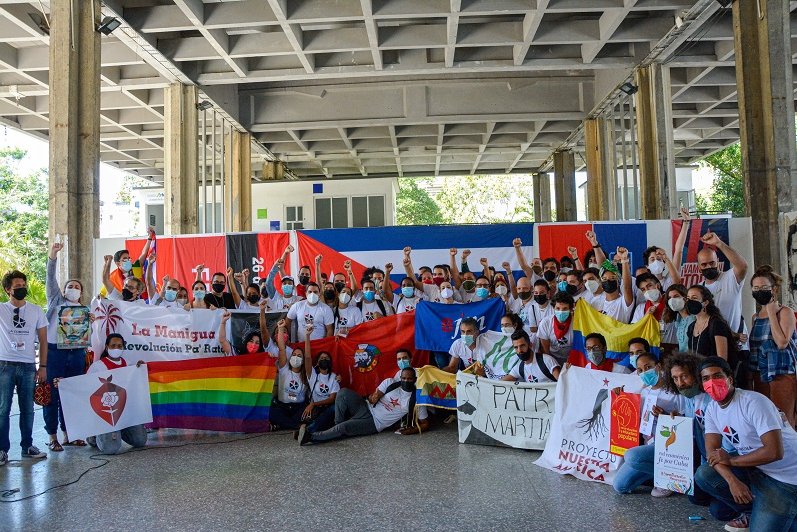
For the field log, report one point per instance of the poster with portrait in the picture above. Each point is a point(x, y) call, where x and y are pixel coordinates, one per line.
point(74, 327)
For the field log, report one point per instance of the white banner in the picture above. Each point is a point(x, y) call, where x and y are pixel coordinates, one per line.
point(155, 333)
point(674, 468)
point(504, 413)
point(579, 441)
point(105, 401)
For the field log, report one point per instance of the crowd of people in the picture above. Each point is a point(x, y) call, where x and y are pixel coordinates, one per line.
point(711, 367)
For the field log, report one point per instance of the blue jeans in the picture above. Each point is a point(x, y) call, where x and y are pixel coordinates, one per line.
point(22, 376)
point(637, 468)
point(774, 503)
point(61, 363)
point(111, 443)
point(325, 419)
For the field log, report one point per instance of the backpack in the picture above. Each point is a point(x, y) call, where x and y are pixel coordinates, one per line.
point(540, 364)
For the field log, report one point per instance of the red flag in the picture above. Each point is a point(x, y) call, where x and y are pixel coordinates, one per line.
point(624, 428)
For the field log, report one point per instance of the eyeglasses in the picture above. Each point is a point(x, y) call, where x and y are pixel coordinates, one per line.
point(761, 288)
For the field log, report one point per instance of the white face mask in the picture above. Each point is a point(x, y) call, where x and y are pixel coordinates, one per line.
point(501, 290)
point(652, 295)
point(72, 294)
point(656, 267)
point(507, 331)
point(116, 353)
point(345, 298)
point(447, 293)
point(592, 285)
point(676, 304)
point(296, 361)
point(312, 298)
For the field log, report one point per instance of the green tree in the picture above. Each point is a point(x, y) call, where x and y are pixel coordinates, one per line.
point(414, 205)
point(486, 199)
point(727, 194)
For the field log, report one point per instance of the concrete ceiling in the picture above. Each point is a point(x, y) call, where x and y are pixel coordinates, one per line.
point(349, 88)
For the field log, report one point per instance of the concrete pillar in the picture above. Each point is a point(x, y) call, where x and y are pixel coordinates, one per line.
point(658, 189)
point(74, 113)
point(238, 214)
point(542, 197)
point(180, 146)
point(597, 177)
point(766, 121)
point(564, 171)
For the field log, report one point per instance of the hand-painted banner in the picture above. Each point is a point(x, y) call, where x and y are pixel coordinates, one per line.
point(624, 429)
point(435, 387)
point(105, 401)
point(437, 324)
point(579, 441)
point(74, 327)
point(156, 333)
point(674, 468)
point(504, 413)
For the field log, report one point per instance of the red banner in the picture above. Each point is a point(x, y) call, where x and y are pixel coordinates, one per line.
point(554, 239)
point(309, 248)
point(624, 428)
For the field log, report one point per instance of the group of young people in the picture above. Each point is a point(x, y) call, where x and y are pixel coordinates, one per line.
point(710, 359)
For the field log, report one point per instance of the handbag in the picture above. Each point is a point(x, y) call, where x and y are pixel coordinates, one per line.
point(42, 394)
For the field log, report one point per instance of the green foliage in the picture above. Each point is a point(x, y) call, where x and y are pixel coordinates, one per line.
point(414, 205)
point(727, 194)
point(486, 199)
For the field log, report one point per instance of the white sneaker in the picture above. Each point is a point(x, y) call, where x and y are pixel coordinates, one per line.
point(33, 452)
point(3, 458)
point(659, 492)
point(740, 524)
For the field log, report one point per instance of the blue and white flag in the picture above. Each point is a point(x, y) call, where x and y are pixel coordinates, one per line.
point(437, 324)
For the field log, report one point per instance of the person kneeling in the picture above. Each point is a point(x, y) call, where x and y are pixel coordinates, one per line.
point(355, 416)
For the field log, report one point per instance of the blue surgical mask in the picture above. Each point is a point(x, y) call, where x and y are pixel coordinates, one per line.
point(468, 339)
point(126, 265)
point(632, 359)
point(404, 363)
point(561, 315)
point(170, 295)
point(408, 291)
point(650, 377)
point(287, 290)
point(199, 294)
point(561, 286)
point(482, 292)
point(369, 295)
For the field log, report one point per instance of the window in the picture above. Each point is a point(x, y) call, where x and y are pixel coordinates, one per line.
point(331, 213)
point(294, 217)
point(367, 211)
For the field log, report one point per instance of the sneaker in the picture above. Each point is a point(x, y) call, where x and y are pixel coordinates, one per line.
point(3, 458)
point(659, 492)
point(740, 524)
point(304, 435)
point(33, 452)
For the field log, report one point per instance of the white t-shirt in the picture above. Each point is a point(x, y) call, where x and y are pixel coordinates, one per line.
point(482, 346)
point(246, 305)
point(161, 302)
point(616, 308)
point(279, 303)
point(273, 349)
point(403, 304)
point(391, 407)
point(322, 386)
point(371, 311)
point(348, 317)
point(291, 386)
point(432, 293)
point(100, 365)
point(727, 293)
point(19, 332)
point(304, 313)
point(466, 297)
point(560, 349)
point(531, 369)
point(747, 417)
point(422, 412)
point(538, 314)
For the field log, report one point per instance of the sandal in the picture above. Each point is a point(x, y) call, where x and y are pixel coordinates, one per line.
point(75, 443)
point(55, 447)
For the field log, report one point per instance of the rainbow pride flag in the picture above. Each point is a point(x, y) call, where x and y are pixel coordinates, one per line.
point(227, 394)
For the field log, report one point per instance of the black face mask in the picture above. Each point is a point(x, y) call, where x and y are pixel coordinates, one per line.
point(694, 307)
point(571, 289)
point(524, 295)
point(324, 364)
point(253, 299)
point(762, 297)
point(524, 356)
point(548, 275)
point(339, 286)
point(263, 292)
point(610, 287)
point(711, 273)
point(217, 287)
point(329, 294)
point(541, 299)
point(408, 386)
point(127, 295)
point(20, 293)
point(304, 279)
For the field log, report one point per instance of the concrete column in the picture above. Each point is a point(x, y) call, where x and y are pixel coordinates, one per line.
point(542, 197)
point(239, 182)
point(597, 178)
point(766, 121)
point(658, 190)
point(74, 113)
point(180, 146)
point(564, 171)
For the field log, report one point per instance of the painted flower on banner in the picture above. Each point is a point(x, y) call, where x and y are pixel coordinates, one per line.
point(108, 401)
point(109, 316)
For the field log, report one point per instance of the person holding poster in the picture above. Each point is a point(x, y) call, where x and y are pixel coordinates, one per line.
point(68, 335)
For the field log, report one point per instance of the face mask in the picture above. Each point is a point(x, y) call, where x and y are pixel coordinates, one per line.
point(524, 295)
point(571, 289)
point(312, 298)
point(592, 265)
point(596, 356)
point(20, 293)
point(652, 295)
point(182, 301)
point(72, 294)
point(676, 304)
point(694, 307)
point(649, 377)
point(632, 359)
point(541, 299)
point(482, 292)
point(339, 286)
point(296, 361)
point(170, 295)
point(447, 293)
point(561, 315)
point(325, 364)
point(691, 392)
point(524, 356)
point(548, 275)
point(252, 347)
point(116, 353)
point(199, 294)
point(656, 267)
point(404, 363)
point(304, 279)
point(408, 291)
point(762, 297)
point(468, 285)
point(253, 299)
point(127, 295)
point(345, 298)
point(507, 331)
point(711, 273)
point(438, 280)
point(565, 269)
point(408, 386)
point(609, 287)
point(428, 281)
point(218, 287)
point(369, 295)
point(126, 265)
point(287, 290)
point(717, 389)
point(377, 283)
point(329, 294)
point(561, 286)
point(501, 290)
point(592, 285)
point(468, 339)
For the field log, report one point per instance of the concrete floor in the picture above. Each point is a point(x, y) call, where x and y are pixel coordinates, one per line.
point(384, 482)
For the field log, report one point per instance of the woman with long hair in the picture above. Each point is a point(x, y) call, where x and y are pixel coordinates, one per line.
point(677, 317)
point(709, 335)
